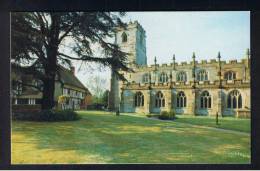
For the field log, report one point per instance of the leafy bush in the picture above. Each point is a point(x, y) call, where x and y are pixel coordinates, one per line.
point(164, 115)
point(47, 115)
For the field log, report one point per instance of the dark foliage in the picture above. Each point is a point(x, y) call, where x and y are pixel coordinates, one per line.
point(46, 115)
point(39, 39)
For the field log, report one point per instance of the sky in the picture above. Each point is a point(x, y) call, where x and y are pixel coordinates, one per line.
point(182, 33)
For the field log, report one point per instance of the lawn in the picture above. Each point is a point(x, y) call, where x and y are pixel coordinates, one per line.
point(230, 123)
point(102, 137)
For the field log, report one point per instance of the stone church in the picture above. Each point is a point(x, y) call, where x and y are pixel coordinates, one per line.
point(196, 87)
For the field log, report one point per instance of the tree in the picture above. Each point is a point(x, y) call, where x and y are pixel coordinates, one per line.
point(97, 86)
point(105, 98)
point(38, 38)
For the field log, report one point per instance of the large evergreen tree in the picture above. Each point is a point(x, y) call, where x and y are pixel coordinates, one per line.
point(43, 36)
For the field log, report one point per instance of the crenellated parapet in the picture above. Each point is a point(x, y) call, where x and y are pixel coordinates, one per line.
point(181, 65)
point(188, 85)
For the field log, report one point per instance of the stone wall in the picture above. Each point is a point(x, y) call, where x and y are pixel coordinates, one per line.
point(124, 93)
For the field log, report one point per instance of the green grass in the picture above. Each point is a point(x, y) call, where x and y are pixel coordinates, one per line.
point(102, 137)
point(230, 123)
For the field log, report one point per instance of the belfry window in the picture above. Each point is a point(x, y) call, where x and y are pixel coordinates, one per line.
point(205, 100)
point(181, 76)
point(163, 77)
point(146, 78)
point(139, 99)
point(124, 37)
point(202, 75)
point(159, 100)
point(230, 75)
point(181, 99)
point(234, 100)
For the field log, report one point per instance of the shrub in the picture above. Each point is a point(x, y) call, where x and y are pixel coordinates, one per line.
point(47, 115)
point(164, 115)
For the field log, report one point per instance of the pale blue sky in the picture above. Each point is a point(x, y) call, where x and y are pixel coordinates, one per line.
point(205, 33)
point(182, 33)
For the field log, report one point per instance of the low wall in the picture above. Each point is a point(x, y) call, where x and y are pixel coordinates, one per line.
point(243, 113)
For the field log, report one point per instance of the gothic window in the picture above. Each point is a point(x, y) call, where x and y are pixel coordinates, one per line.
point(163, 78)
point(234, 100)
point(124, 37)
point(202, 75)
point(181, 99)
point(146, 78)
point(230, 75)
point(159, 100)
point(205, 100)
point(181, 76)
point(139, 99)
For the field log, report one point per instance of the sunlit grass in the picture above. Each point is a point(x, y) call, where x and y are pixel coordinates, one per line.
point(102, 137)
point(230, 123)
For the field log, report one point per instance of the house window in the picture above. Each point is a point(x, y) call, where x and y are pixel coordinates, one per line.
point(202, 75)
point(159, 100)
point(181, 76)
point(234, 100)
point(65, 91)
point(146, 78)
point(22, 101)
point(124, 37)
point(230, 75)
point(32, 101)
point(38, 101)
point(205, 100)
point(163, 78)
point(139, 99)
point(17, 87)
point(181, 99)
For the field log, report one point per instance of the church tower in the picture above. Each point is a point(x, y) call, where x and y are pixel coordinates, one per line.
point(132, 40)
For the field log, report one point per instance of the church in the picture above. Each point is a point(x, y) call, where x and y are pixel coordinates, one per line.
point(206, 87)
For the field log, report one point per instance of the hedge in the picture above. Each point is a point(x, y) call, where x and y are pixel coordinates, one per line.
point(46, 115)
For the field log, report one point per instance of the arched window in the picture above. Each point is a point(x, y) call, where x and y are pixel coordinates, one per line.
point(230, 75)
point(159, 100)
point(234, 100)
point(205, 100)
point(146, 78)
point(139, 99)
point(181, 76)
point(181, 99)
point(202, 75)
point(124, 37)
point(163, 77)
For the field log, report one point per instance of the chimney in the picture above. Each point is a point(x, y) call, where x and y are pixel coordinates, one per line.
point(72, 69)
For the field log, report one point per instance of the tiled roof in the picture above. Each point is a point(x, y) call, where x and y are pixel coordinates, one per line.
point(67, 77)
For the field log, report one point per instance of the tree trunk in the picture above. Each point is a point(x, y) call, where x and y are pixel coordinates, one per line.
point(51, 67)
point(48, 94)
